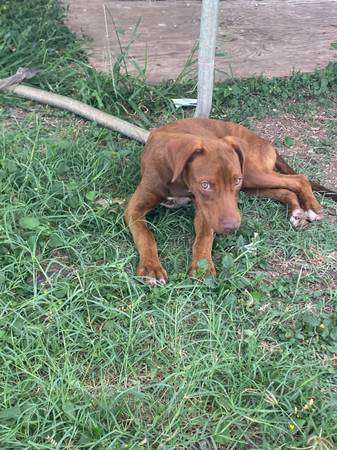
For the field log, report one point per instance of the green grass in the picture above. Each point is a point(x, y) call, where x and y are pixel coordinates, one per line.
point(90, 357)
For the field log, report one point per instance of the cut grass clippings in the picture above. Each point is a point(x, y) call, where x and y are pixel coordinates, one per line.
point(92, 359)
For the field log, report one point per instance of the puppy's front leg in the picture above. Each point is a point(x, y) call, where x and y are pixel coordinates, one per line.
point(149, 267)
point(202, 246)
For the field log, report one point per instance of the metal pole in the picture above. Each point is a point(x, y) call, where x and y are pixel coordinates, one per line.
point(207, 41)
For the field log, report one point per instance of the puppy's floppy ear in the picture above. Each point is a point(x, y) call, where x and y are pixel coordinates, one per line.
point(180, 151)
point(239, 146)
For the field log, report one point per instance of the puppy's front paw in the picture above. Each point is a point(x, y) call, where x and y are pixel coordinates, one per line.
point(152, 273)
point(201, 268)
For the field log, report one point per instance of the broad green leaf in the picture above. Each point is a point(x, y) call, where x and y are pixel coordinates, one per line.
point(90, 196)
point(29, 222)
point(10, 414)
point(227, 261)
point(288, 141)
point(202, 264)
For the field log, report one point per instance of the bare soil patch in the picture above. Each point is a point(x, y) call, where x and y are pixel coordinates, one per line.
point(272, 37)
point(302, 130)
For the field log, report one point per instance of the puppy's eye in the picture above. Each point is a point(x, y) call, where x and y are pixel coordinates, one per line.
point(237, 181)
point(205, 185)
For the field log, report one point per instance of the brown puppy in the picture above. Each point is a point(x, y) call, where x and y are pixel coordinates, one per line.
point(210, 161)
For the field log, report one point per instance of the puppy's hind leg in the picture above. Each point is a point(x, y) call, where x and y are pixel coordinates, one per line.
point(298, 184)
point(297, 215)
point(309, 203)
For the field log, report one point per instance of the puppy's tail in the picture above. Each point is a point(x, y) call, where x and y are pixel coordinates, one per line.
point(282, 166)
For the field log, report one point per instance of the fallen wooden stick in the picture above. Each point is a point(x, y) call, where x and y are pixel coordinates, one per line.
point(23, 73)
point(79, 108)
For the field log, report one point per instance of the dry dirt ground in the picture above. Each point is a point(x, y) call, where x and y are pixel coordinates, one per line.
point(303, 132)
point(254, 36)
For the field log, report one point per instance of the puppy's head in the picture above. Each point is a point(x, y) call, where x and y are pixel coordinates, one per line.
point(213, 171)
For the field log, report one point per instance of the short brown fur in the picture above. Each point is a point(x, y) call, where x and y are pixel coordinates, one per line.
point(209, 161)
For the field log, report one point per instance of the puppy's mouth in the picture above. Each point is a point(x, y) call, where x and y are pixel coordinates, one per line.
point(225, 230)
point(228, 226)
